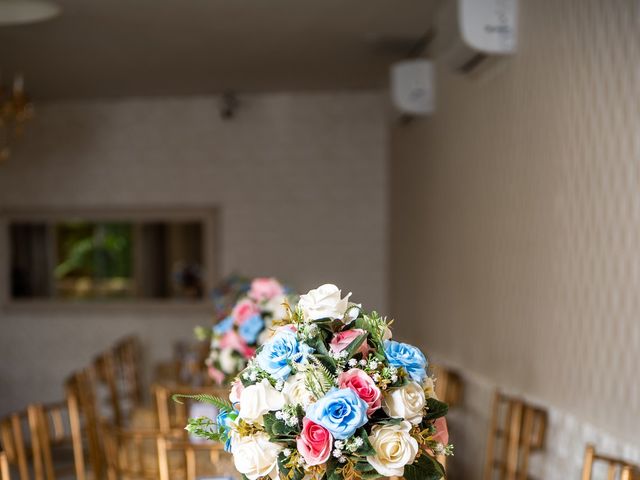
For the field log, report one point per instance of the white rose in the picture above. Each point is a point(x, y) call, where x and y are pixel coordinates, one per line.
point(406, 402)
point(430, 388)
point(296, 392)
point(394, 447)
point(258, 399)
point(228, 364)
point(255, 456)
point(324, 302)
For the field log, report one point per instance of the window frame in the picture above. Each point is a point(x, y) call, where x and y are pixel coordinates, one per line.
point(207, 216)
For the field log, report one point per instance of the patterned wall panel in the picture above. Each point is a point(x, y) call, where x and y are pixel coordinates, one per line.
point(516, 218)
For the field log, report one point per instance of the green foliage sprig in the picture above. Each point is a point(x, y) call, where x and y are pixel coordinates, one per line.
point(205, 398)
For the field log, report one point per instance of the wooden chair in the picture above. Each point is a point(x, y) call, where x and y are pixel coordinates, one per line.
point(52, 437)
point(15, 433)
point(192, 460)
point(616, 468)
point(84, 425)
point(4, 467)
point(128, 359)
point(173, 416)
point(130, 454)
point(449, 385)
point(519, 428)
point(105, 374)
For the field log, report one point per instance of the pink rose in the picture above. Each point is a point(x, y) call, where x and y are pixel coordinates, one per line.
point(342, 340)
point(314, 443)
point(236, 391)
point(231, 339)
point(364, 386)
point(216, 375)
point(263, 289)
point(243, 310)
point(442, 432)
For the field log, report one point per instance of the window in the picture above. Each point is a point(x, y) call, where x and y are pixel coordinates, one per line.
point(109, 257)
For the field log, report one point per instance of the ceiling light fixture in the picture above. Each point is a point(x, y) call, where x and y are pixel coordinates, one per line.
point(21, 12)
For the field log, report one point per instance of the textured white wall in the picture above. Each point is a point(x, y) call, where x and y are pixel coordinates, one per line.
point(516, 219)
point(301, 182)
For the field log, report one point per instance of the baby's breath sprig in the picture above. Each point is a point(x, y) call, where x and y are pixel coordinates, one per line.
point(341, 360)
point(253, 373)
point(442, 449)
point(352, 444)
point(308, 331)
point(424, 437)
point(384, 375)
point(289, 415)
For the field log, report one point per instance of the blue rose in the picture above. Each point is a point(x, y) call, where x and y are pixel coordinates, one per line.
point(280, 353)
point(341, 412)
point(223, 326)
point(251, 328)
point(224, 420)
point(407, 357)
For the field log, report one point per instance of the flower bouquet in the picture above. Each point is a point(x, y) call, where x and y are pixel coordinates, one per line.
point(226, 294)
point(329, 397)
point(235, 338)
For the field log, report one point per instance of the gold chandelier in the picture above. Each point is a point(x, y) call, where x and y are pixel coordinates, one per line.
point(15, 111)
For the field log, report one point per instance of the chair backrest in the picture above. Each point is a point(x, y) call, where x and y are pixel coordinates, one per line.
point(194, 460)
point(51, 433)
point(449, 385)
point(104, 366)
point(84, 424)
point(130, 453)
point(15, 433)
point(128, 358)
point(173, 416)
point(616, 468)
point(516, 430)
point(4, 467)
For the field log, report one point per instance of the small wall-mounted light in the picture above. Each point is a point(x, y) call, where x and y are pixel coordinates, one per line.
point(413, 87)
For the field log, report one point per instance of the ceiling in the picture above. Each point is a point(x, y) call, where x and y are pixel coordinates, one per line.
point(110, 48)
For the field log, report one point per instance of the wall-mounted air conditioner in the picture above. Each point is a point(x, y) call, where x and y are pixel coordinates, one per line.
point(468, 32)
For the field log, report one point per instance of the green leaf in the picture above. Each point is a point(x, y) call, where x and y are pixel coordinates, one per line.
point(278, 428)
point(373, 475)
point(435, 409)
point(364, 466)
point(331, 473)
point(222, 404)
point(204, 427)
point(385, 420)
point(366, 448)
point(281, 465)
point(424, 468)
point(355, 345)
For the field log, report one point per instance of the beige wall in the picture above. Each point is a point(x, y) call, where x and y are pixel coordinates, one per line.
point(516, 219)
point(300, 180)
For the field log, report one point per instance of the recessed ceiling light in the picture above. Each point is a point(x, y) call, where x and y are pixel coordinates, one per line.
point(20, 12)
